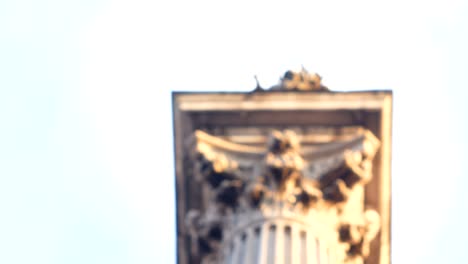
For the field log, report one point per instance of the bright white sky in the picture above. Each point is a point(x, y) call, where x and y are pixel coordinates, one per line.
point(86, 162)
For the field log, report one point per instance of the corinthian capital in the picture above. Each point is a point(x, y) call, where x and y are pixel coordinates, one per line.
point(251, 187)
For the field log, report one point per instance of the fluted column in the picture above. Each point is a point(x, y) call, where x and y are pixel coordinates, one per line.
point(236, 251)
point(250, 247)
point(295, 246)
point(263, 247)
point(312, 245)
point(279, 244)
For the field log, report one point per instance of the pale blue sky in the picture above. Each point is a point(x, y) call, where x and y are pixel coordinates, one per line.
point(85, 114)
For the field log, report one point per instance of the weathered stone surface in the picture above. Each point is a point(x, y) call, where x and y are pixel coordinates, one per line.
point(281, 183)
point(244, 176)
point(300, 81)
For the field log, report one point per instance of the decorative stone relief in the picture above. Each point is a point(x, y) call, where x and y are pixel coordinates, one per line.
point(300, 81)
point(357, 236)
point(318, 191)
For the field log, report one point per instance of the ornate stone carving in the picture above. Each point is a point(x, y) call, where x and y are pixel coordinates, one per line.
point(357, 236)
point(283, 162)
point(300, 81)
point(284, 184)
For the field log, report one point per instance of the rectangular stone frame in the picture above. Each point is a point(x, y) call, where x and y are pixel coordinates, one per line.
point(370, 109)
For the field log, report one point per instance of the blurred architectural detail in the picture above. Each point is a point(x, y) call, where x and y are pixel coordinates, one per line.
point(283, 177)
point(300, 81)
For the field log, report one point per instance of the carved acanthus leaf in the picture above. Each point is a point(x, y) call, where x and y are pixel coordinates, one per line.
point(206, 233)
point(358, 236)
point(282, 161)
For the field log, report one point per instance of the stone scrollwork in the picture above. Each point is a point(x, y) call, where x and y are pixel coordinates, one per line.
point(360, 162)
point(352, 166)
point(279, 176)
point(337, 191)
point(214, 167)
